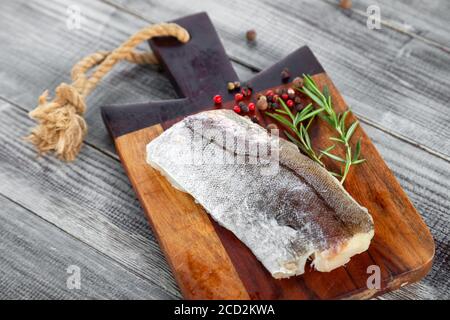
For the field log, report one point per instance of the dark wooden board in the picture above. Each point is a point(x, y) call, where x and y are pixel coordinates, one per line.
point(207, 260)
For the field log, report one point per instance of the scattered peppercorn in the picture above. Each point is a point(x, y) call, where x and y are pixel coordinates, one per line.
point(238, 96)
point(246, 91)
point(230, 86)
point(251, 35)
point(345, 4)
point(297, 82)
point(290, 103)
point(244, 107)
point(251, 106)
point(285, 75)
point(254, 119)
point(270, 98)
point(237, 109)
point(291, 93)
point(297, 100)
point(262, 104)
point(298, 107)
point(217, 99)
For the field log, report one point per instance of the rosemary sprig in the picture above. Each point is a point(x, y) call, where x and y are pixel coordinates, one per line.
point(295, 123)
point(337, 122)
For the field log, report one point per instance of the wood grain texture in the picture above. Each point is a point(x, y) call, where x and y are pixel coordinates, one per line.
point(380, 72)
point(402, 248)
point(35, 256)
point(408, 16)
point(32, 61)
point(417, 171)
point(90, 199)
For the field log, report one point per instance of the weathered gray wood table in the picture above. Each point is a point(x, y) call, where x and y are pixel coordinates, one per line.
point(55, 215)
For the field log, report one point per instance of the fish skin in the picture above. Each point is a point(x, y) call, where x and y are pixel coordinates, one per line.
point(286, 216)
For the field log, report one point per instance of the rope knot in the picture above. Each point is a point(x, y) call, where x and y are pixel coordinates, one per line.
point(61, 127)
point(68, 95)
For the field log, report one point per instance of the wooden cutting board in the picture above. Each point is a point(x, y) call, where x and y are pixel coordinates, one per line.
point(208, 261)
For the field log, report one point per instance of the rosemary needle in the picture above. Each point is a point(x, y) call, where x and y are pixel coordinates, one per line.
point(301, 139)
point(337, 122)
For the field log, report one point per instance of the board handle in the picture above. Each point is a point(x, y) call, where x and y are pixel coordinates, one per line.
point(301, 61)
point(198, 70)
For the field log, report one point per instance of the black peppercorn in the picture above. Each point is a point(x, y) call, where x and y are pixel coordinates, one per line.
point(285, 75)
point(298, 107)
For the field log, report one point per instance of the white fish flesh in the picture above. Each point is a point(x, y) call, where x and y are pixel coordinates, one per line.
point(281, 204)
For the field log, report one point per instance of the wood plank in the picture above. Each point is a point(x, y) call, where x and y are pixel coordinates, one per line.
point(91, 199)
point(427, 20)
point(35, 256)
point(426, 180)
point(380, 73)
point(35, 62)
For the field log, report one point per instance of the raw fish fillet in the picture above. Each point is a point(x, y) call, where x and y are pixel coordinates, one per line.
point(282, 205)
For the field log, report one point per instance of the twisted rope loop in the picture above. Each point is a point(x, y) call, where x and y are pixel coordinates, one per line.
point(61, 126)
